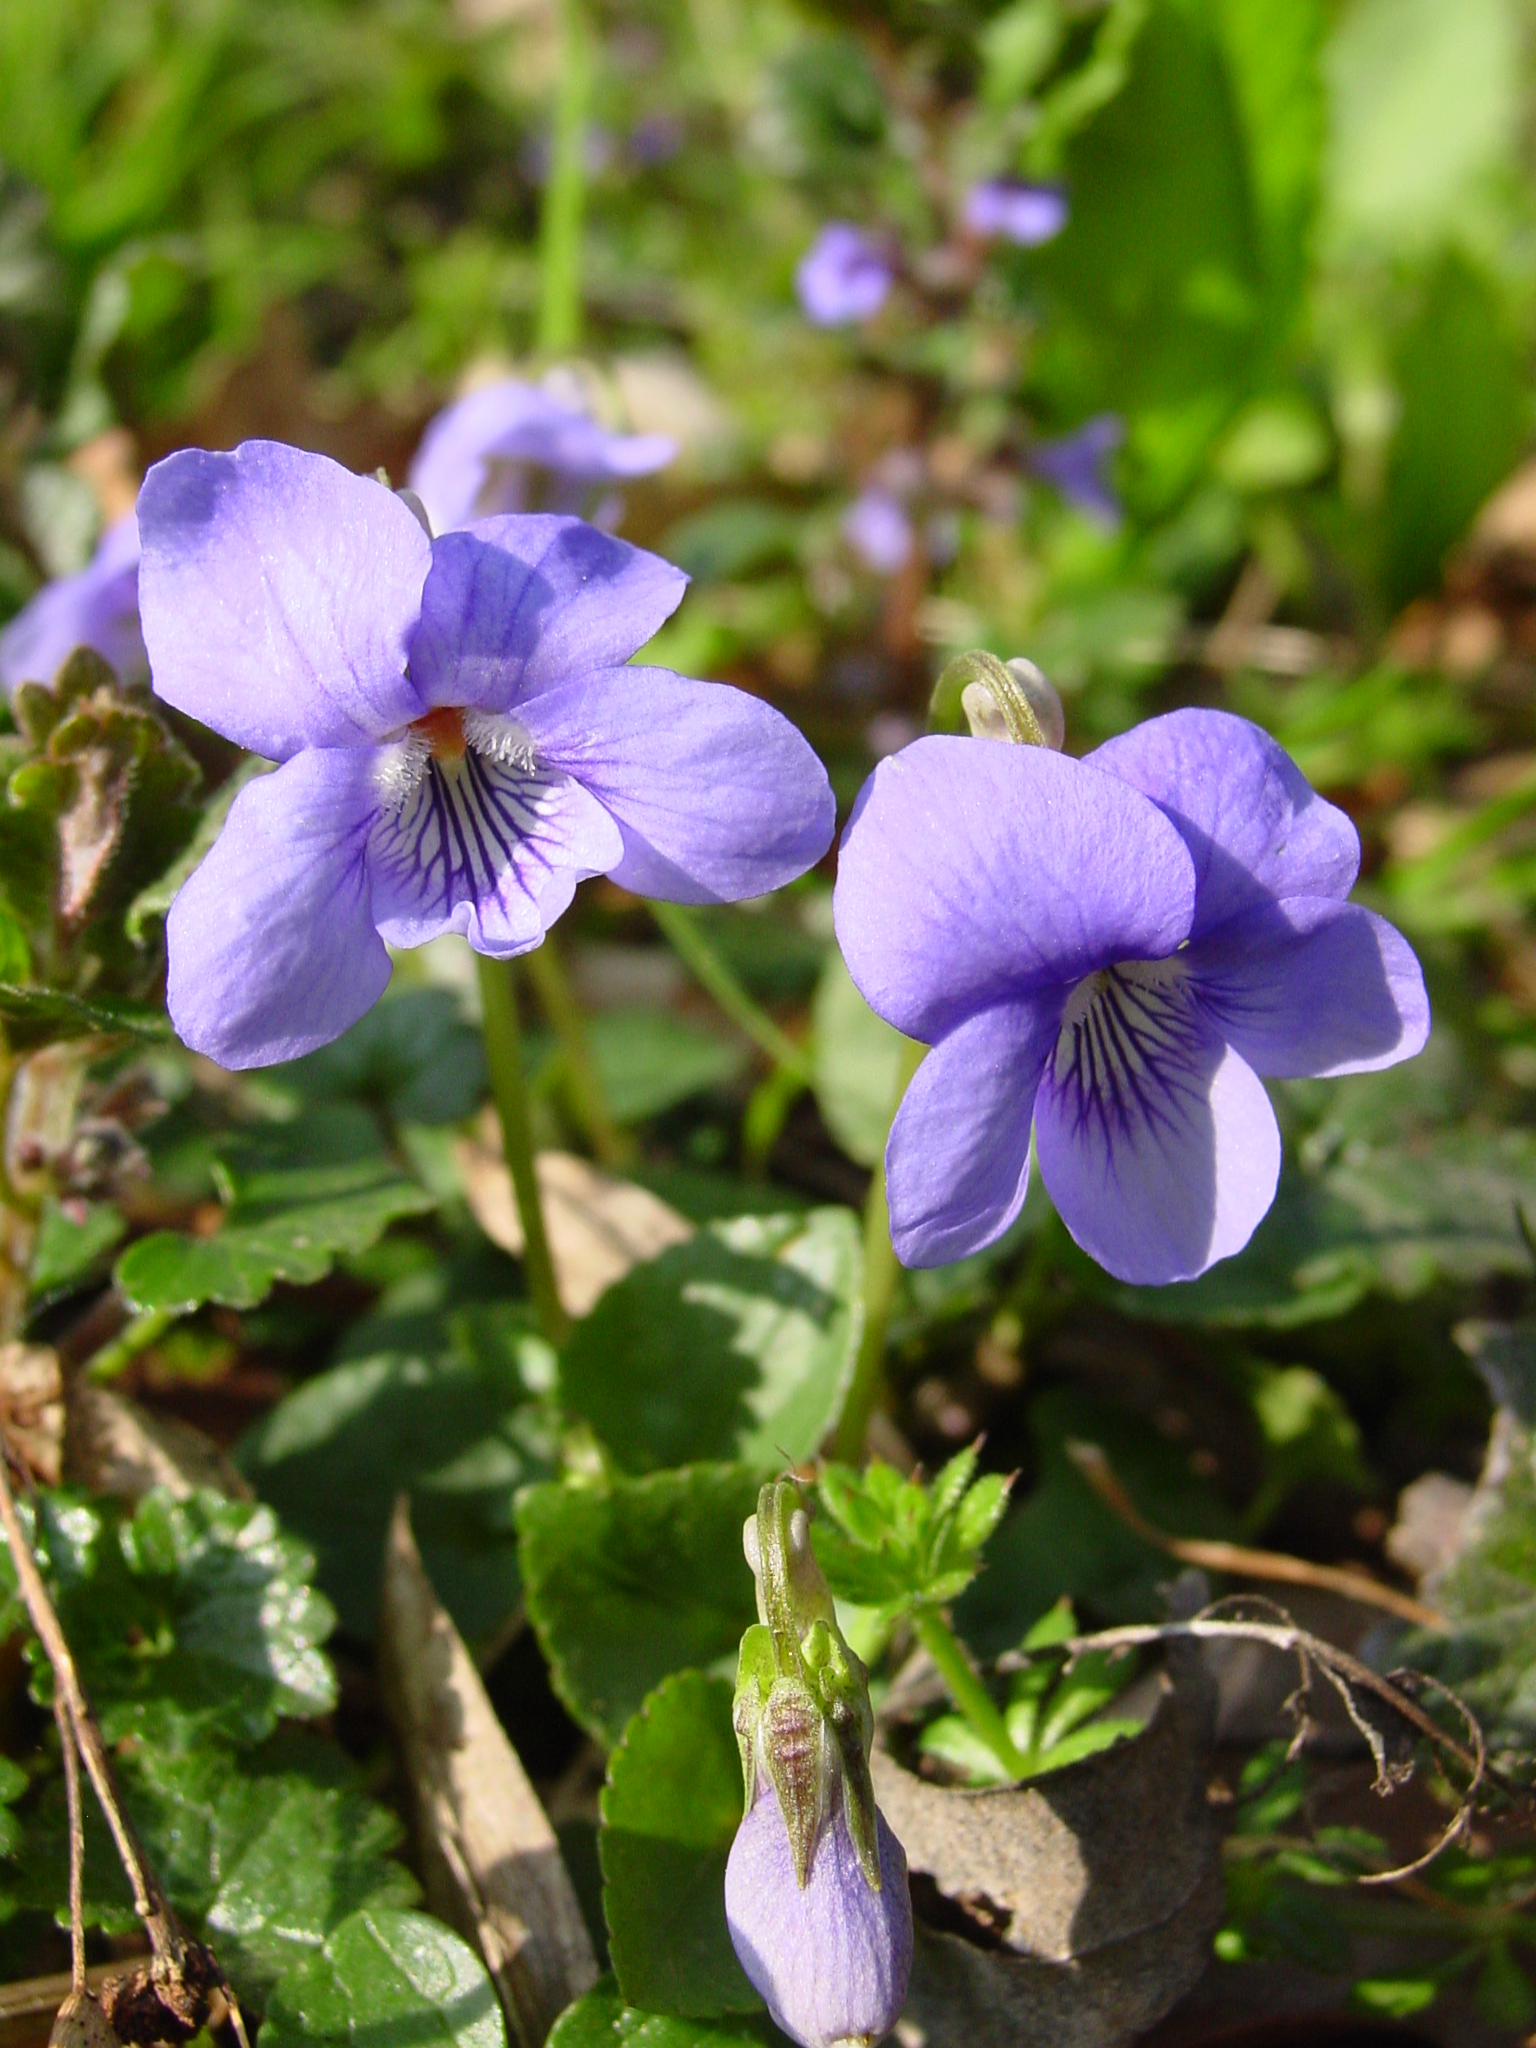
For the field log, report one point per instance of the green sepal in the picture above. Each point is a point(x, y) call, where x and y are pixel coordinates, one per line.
point(802, 1711)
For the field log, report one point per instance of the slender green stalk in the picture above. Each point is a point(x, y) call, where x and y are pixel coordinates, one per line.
point(881, 1271)
point(966, 1689)
point(565, 193)
point(146, 1328)
point(509, 1090)
point(686, 938)
point(584, 1084)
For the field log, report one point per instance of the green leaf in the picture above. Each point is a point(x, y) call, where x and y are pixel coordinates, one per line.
point(1461, 379)
point(603, 2020)
point(71, 1241)
point(69, 1016)
point(432, 1405)
point(1155, 283)
point(670, 1811)
point(270, 1851)
point(1397, 1998)
point(385, 1979)
point(411, 1055)
point(856, 1064)
point(192, 1617)
point(1273, 50)
point(1309, 1435)
point(1488, 1592)
point(894, 1544)
point(650, 1060)
point(303, 1193)
point(738, 1344)
point(627, 1580)
point(1425, 102)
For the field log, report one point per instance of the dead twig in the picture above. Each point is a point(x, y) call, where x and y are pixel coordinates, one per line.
point(170, 1997)
point(1349, 1678)
point(1238, 1561)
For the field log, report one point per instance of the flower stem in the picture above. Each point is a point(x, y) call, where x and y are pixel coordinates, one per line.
point(509, 1090)
point(560, 225)
point(966, 1689)
point(881, 1271)
point(146, 1328)
point(686, 938)
point(584, 1084)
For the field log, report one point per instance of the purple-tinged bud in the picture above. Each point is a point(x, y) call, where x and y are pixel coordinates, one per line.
point(831, 1960)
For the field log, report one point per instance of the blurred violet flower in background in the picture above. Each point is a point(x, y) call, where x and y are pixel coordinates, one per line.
point(830, 1959)
point(461, 740)
point(1118, 947)
point(1078, 465)
point(473, 454)
point(878, 530)
point(844, 275)
point(657, 138)
point(1015, 212)
point(96, 608)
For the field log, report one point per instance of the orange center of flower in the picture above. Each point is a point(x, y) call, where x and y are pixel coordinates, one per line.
point(443, 731)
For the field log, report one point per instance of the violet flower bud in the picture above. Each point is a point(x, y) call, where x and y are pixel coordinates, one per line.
point(816, 1886)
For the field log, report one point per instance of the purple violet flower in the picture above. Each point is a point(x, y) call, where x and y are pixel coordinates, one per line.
point(1024, 214)
point(469, 462)
point(1115, 948)
point(460, 739)
point(831, 1961)
point(844, 275)
point(878, 530)
point(96, 608)
point(1078, 465)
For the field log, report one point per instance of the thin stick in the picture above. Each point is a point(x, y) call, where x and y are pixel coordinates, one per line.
point(881, 1273)
point(584, 1084)
point(1241, 1562)
point(509, 1088)
point(149, 1902)
point(71, 1758)
point(683, 934)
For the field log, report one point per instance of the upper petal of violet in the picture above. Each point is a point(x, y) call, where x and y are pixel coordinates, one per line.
point(524, 603)
point(973, 873)
point(831, 1961)
point(271, 940)
point(278, 593)
point(1254, 826)
point(716, 795)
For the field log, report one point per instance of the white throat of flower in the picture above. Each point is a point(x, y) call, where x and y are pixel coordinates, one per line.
point(445, 736)
point(1118, 1020)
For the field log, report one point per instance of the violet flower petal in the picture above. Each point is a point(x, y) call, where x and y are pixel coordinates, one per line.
point(1156, 1141)
point(98, 608)
point(844, 275)
point(1313, 986)
point(514, 422)
point(272, 947)
point(1254, 826)
point(521, 604)
point(974, 873)
point(717, 796)
point(831, 1961)
point(490, 849)
point(1018, 212)
point(278, 594)
point(957, 1160)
